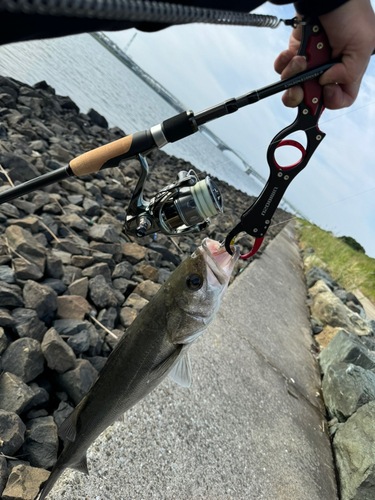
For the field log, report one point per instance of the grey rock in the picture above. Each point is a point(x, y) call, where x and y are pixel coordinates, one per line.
point(329, 310)
point(36, 414)
point(133, 252)
point(24, 358)
point(3, 474)
point(70, 326)
point(346, 388)
point(316, 327)
point(67, 245)
point(97, 362)
point(315, 274)
point(6, 318)
point(163, 275)
point(108, 317)
point(127, 316)
point(123, 270)
point(57, 285)
point(356, 308)
point(80, 342)
point(79, 287)
point(96, 342)
point(341, 294)
point(97, 119)
point(24, 483)
point(71, 273)
point(136, 302)
point(21, 170)
point(351, 297)
point(7, 274)
point(74, 221)
point(82, 261)
point(10, 295)
point(91, 207)
point(15, 395)
point(26, 206)
point(112, 248)
point(59, 356)
point(3, 341)
point(105, 233)
point(40, 397)
point(148, 289)
point(41, 199)
point(107, 258)
point(100, 269)
point(354, 446)
point(121, 284)
point(12, 431)
point(347, 348)
point(27, 324)
point(9, 209)
point(72, 307)
point(26, 245)
point(62, 413)
point(40, 297)
point(166, 254)
point(41, 442)
point(59, 153)
point(101, 293)
point(30, 223)
point(65, 257)
point(76, 199)
point(26, 270)
point(116, 191)
point(54, 266)
point(113, 340)
point(77, 382)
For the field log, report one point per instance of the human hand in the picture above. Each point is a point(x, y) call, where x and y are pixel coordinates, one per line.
point(351, 33)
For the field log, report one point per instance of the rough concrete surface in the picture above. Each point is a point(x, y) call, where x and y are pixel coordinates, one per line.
point(251, 425)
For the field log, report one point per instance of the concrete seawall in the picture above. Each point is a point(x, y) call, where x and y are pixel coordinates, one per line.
point(252, 425)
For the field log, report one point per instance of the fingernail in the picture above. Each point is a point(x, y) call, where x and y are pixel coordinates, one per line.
point(297, 66)
point(328, 92)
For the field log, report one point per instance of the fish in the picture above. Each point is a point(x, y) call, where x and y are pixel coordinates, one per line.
point(156, 344)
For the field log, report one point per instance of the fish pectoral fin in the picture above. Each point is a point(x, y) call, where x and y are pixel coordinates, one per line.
point(181, 372)
point(163, 368)
point(81, 466)
point(67, 429)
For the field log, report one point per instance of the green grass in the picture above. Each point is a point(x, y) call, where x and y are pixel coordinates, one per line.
point(351, 269)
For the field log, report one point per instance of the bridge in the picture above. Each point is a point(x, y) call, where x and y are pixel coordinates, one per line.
point(220, 144)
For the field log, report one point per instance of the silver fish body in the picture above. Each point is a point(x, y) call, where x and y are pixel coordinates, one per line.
point(154, 346)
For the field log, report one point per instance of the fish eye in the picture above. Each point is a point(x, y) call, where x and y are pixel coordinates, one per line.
point(194, 282)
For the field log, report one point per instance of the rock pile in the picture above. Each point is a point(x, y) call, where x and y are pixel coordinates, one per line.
point(71, 282)
point(347, 358)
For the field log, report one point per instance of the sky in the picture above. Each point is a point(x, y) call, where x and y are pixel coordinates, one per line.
point(203, 65)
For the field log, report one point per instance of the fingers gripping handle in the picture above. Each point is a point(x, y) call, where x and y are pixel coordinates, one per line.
point(111, 154)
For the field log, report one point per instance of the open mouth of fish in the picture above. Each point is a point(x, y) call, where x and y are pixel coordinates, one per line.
point(219, 261)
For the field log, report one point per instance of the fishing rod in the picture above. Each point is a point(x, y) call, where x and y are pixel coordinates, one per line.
point(186, 205)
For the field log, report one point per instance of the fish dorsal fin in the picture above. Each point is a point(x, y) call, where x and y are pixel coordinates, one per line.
point(181, 372)
point(81, 466)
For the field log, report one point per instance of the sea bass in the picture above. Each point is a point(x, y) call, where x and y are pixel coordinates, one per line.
point(155, 345)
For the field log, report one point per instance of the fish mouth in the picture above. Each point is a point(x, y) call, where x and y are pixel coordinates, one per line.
point(219, 260)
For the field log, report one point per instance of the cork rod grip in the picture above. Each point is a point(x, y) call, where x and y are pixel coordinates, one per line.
point(92, 161)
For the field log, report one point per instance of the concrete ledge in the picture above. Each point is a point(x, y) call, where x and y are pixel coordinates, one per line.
point(251, 426)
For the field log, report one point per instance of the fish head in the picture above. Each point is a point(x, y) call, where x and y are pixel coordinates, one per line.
point(195, 290)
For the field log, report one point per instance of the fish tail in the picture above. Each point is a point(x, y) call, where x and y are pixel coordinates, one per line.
point(53, 477)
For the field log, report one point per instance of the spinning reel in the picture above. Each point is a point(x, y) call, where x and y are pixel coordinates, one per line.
point(181, 207)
